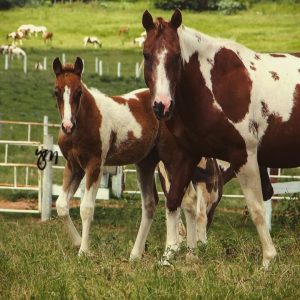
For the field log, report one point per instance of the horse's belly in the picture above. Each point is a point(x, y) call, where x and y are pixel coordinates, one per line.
point(129, 152)
point(282, 151)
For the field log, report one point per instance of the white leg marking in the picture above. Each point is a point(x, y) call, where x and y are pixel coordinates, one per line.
point(148, 208)
point(250, 183)
point(87, 213)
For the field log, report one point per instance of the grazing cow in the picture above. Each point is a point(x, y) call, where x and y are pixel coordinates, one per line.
point(4, 49)
point(28, 29)
point(16, 51)
point(226, 101)
point(123, 30)
point(47, 36)
point(139, 40)
point(129, 133)
point(92, 40)
point(38, 66)
point(16, 37)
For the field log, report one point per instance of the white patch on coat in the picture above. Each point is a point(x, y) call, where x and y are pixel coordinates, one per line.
point(134, 94)
point(277, 94)
point(162, 85)
point(116, 118)
point(67, 107)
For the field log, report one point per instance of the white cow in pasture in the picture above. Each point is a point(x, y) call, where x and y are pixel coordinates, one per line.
point(92, 40)
point(16, 36)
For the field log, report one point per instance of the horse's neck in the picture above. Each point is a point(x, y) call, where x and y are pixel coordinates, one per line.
point(192, 41)
point(88, 109)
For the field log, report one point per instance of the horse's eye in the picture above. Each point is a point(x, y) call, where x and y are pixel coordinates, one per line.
point(78, 94)
point(56, 92)
point(147, 56)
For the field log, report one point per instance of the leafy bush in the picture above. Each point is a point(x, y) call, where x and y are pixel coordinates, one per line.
point(181, 4)
point(230, 7)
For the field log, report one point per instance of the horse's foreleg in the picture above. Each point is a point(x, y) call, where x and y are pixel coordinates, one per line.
point(93, 176)
point(180, 173)
point(145, 173)
point(249, 179)
point(72, 178)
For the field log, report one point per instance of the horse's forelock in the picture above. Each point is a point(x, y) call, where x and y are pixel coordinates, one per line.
point(160, 25)
point(68, 68)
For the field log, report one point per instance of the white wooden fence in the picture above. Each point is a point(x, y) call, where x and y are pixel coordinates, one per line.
point(43, 183)
point(46, 189)
point(99, 66)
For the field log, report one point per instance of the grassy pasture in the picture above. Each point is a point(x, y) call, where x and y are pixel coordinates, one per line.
point(36, 259)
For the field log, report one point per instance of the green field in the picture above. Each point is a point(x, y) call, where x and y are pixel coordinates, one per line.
point(36, 259)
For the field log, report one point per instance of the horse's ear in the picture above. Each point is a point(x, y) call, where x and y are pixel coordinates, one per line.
point(147, 20)
point(176, 19)
point(57, 66)
point(78, 66)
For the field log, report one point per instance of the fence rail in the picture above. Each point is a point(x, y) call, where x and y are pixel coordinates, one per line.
point(100, 67)
point(279, 188)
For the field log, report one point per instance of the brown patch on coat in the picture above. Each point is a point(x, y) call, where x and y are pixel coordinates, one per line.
point(281, 137)
point(277, 55)
point(257, 57)
point(229, 68)
point(252, 68)
point(253, 127)
point(210, 61)
point(274, 75)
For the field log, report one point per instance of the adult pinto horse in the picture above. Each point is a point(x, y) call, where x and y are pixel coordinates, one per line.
point(98, 130)
point(226, 101)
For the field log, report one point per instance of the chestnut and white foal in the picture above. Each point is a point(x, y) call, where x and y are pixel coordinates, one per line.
point(98, 130)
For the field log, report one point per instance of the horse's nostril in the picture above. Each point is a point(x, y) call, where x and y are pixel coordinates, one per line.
point(158, 108)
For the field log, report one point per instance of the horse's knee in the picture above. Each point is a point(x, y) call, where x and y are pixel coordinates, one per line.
point(62, 208)
point(150, 209)
point(86, 212)
point(173, 203)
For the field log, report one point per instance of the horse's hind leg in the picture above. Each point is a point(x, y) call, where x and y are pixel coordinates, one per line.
point(72, 178)
point(145, 172)
point(249, 179)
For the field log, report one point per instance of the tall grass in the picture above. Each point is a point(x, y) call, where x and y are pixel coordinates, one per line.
point(37, 261)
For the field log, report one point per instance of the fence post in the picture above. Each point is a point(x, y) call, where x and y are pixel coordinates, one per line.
point(96, 64)
point(137, 71)
point(6, 62)
point(45, 122)
point(100, 68)
point(25, 64)
point(117, 183)
point(47, 181)
point(268, 209)
point(119, 70)
point(63, 58)
point(45, 63)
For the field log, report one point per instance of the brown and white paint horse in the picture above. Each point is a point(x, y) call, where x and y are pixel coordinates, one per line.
point(231, 103)
point(98, 130)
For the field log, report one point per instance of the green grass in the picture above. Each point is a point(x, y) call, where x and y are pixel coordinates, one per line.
point(37, 260)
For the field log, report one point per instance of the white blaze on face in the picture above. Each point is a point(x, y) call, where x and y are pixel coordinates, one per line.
point(67, 115)
point(162, 90)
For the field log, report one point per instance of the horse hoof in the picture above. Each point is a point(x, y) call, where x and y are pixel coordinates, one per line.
point(134, 258)
point(191, 257)
point(164, 263)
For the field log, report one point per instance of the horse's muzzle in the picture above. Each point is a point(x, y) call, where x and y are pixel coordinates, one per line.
point(68, 127)
point(161, 111)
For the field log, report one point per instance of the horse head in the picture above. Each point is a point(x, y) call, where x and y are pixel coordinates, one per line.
point(68, 91)
point(163, 62)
